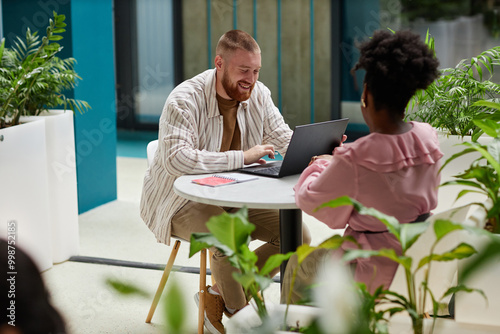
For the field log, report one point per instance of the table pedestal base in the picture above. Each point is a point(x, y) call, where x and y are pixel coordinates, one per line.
point(290, 233)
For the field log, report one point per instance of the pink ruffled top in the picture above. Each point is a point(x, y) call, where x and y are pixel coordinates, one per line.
point(396, 174)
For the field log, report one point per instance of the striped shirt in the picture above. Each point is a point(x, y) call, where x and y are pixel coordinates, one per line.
point(189, 141)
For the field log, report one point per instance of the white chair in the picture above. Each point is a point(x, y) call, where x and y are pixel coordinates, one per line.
point(151, 151)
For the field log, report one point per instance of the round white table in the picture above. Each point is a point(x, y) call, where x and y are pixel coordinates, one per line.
point(262, 193)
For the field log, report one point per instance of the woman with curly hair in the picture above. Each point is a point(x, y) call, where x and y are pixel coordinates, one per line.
point(394, 169)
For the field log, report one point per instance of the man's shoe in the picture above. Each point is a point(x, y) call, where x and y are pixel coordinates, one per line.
point(229, 314)
point(214, 307)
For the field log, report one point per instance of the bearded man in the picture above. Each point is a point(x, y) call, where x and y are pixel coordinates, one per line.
point(220, 120)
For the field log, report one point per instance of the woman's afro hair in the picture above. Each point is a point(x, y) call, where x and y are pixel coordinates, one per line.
point(397, 65)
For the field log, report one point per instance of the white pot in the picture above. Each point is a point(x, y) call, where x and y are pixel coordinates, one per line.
point(61, 169)
point(246, 320)
point(24, 195)
point(472, 307)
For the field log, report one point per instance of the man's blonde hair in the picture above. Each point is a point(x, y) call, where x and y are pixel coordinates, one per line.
point(233, 40)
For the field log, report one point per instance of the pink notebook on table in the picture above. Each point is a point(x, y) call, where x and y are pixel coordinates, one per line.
point(220, 180)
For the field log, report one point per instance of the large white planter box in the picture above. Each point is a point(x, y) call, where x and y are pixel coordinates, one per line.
point(63, 194)
point(24, 195)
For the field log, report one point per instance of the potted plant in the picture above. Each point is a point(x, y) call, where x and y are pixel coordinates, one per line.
point(32, 80)
point(481, 178)
point(407, 235)
point(448, 103)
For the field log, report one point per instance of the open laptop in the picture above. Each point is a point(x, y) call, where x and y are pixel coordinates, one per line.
point(307, 141)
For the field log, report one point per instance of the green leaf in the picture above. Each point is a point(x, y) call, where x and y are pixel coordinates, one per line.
point(231, 230)
point(489, 104)
point(303, 251)
point(456, 155)
point(410, 233)
point(340, 201)
point(246, 259)
point(335, 241)
point(462, 183)
point(126, 288)
point(201, 241)
point(490, 252)
point(246, 280)
point(352, 254)
point(462, 288)
point(2, 48)
point(55, 38)
point(462, 251)
point(332, 243)
point(491, 160)
point(391, 223)
point(490, 127)
point(443, 227)
point(175, 309)
point(263, 282)
point(274, 261)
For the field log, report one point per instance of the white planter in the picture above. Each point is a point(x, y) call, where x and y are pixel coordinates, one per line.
point(63, 195)
point(24, 195)
point(449, 145)
point(246, 320)
point(472, 307)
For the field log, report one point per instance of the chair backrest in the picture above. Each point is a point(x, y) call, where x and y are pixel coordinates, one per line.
point(151, 150)
point(443, 274)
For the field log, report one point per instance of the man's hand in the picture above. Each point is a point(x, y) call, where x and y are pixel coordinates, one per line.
point(256, 153)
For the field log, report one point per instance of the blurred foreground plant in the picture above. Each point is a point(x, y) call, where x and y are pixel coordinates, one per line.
point(407, 235)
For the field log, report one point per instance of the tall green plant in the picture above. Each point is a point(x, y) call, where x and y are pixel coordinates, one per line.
point(407, 235)
point(448, 103)
point(230, 234)
point(33, 78)
point(483, 175)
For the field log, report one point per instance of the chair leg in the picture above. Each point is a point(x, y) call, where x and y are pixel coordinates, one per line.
point(163, 280)
point(210, 254)
point(203, 284)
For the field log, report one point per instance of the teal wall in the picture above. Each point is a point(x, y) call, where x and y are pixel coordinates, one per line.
point(89, 39)
point(95, 131)
point(360, 20)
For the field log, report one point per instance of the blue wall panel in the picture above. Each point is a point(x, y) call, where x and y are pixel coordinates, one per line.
point(95, 131)
point(89, 39)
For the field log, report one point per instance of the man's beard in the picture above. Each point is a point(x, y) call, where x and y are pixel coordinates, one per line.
point(232, 90)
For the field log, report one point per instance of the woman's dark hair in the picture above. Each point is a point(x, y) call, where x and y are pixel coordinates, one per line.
point(25, 295)
point(397, 65)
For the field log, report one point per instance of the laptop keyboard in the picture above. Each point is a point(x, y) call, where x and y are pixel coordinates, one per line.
point(269, 170)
